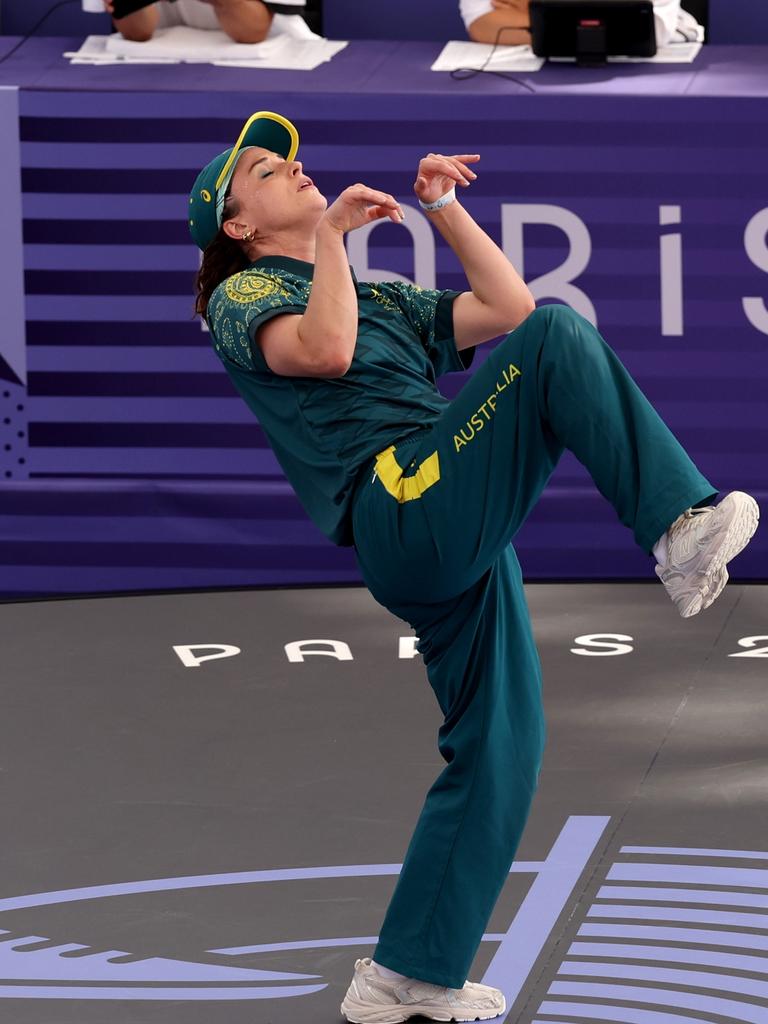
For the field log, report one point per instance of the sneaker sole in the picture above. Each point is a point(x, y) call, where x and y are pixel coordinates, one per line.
point(706, 595)
point(715, 589)
point(740, 530)
point(380, 1016)
point(396, 1015)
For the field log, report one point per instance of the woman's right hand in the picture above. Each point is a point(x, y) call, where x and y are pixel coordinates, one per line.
point(359, 205)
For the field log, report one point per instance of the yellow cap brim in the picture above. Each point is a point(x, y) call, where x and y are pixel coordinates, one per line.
point(243, 139)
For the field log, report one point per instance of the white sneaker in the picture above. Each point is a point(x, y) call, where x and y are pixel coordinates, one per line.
point(699, 544)
point(374, 999)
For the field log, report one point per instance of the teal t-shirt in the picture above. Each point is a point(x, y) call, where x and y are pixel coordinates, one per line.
point(324, 431)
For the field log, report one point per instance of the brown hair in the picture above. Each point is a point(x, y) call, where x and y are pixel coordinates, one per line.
point(221, 258)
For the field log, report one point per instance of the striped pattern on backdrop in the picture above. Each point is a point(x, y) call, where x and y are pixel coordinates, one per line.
point(123, 386)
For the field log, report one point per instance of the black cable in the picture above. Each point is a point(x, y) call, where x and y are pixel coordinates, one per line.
point(61, 3)
point(503, 74)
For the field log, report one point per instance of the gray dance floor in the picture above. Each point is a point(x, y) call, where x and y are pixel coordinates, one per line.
point(190, 840)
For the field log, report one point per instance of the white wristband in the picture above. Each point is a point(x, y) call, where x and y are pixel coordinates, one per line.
point(441, 202)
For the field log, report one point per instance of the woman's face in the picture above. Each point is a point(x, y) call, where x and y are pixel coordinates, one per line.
point(271, 198)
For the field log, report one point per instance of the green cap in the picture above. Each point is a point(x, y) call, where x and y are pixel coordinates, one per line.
point(265, 129)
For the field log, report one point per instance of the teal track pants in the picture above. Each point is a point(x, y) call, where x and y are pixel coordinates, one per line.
point(433, 539)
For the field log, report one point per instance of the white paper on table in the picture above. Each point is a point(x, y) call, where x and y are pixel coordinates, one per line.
point(458, 53)
point(302, 60)
point(91, 47)
point(180, 43)
point(672, 53)
point(112, 61)
point(93, 51)
point(291, 25)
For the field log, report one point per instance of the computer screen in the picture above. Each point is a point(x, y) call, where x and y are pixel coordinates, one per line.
point(590, 30)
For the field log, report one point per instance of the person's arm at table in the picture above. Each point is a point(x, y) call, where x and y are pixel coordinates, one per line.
point(244, 21)
point(509, 16)
point(139, 26)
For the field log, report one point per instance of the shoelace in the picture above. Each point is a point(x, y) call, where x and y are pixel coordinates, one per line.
point(691, 512)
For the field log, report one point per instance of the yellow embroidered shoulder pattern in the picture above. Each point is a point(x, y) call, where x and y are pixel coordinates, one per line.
point(253, 286)
point(241, 297)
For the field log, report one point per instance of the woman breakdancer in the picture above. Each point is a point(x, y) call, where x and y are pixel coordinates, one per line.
point(430, 492)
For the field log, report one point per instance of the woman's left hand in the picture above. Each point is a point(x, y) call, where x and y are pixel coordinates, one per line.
point(437, 174)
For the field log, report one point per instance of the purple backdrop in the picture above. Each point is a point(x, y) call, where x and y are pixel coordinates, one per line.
point(142, 467)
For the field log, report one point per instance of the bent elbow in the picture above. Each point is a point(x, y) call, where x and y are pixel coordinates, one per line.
point(136, 35)
point(338, 367)
point(246, 36)
point(528, 306)
point(523, 312)
point(334, 362)
point(253, 29)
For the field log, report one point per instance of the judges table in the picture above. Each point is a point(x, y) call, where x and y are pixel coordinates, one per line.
point(635, 193)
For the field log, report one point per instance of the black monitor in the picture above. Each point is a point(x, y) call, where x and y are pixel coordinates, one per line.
point(590, 30)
